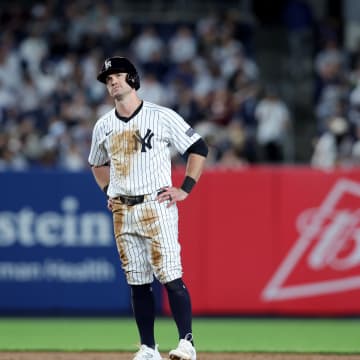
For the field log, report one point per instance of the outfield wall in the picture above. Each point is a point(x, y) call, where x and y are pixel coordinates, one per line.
point(273, 241)
point(255, 241)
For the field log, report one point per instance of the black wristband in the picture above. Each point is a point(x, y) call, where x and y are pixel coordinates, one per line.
point(188, 184)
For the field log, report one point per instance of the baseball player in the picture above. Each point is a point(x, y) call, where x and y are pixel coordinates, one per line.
point(130, 159)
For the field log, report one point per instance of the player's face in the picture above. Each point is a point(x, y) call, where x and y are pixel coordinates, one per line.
point(117, 85)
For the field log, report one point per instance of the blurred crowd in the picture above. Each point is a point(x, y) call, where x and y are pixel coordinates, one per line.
point(336, 104)
point(51, 52)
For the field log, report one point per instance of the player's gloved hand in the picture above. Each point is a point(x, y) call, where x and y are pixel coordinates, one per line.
point(172, 195)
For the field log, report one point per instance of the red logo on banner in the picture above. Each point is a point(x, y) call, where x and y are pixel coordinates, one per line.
point(326, 256)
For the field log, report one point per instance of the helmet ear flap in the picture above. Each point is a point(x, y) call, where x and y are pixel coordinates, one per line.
point(133, 80)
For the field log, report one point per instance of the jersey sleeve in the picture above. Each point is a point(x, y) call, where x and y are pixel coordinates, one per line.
point(98, 155)
point(181, 134)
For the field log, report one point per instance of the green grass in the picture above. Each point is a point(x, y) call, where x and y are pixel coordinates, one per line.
point(211, 334)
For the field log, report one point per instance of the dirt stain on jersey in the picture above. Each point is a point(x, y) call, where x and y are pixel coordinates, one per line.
point(156, 259)
point(119, 212)
point(149, 221)
point(123, 147)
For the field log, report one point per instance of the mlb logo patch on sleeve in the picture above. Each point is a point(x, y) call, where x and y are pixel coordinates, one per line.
point(190, 132)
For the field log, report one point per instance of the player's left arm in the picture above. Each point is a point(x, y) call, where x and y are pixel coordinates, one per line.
point(196, 157)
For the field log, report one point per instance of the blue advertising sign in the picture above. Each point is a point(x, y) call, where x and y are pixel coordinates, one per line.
point(57, 249)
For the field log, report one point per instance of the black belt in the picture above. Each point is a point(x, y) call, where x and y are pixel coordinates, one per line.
point(131, 200)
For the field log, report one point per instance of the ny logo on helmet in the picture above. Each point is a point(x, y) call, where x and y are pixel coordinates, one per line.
point(107, 64)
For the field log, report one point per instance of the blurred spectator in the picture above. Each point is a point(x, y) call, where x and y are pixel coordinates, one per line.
point(207, 35)
point(146, 44)
point(245, 102)
point(186, 105)
point(9, 64)
point(273, 118)
point(222, 109)
point(152, 90)
point(157, 65)
point(29, 93)
point(213, 135)
point(207, 77)
point(7, 98)
point(354, 106)
point(331, 83)
point(34, 47)
point(232, 147)
point(334, 146)
point(11, 156)
point(72, 158)
point(182, 45)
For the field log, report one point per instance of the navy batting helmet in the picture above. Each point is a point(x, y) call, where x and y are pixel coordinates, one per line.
point(118, 64)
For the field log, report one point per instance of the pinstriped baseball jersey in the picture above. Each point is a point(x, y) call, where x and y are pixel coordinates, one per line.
point(138, 148)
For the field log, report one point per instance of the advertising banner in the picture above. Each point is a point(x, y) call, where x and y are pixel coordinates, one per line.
point(317, 257)
point(273, 241)
point(226, 232)
point(57, 251)
point(260, 240)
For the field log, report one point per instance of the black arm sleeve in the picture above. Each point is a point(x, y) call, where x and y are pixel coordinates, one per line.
point(199, 147)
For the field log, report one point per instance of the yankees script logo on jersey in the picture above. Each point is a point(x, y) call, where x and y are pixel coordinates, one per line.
point(136, 146)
